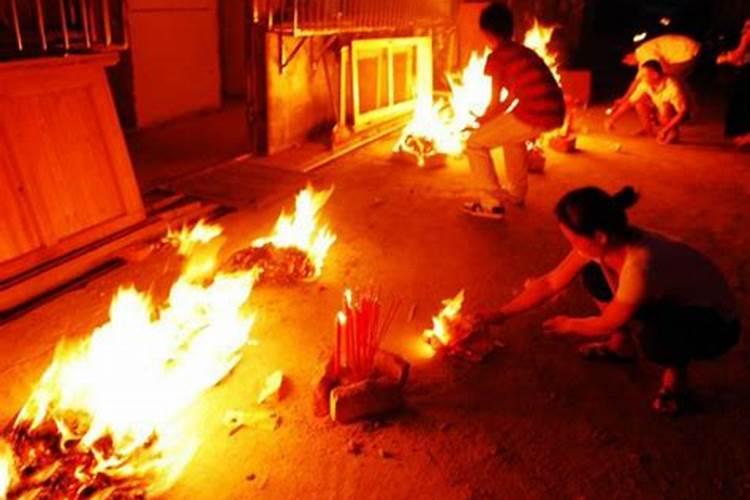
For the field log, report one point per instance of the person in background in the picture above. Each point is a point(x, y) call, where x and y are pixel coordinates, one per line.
point(676, 54)
point(526, 101)
point(737, 122)
point(653, 291)
point(660, 101)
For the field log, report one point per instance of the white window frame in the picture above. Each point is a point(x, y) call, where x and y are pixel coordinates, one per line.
point(361, 49)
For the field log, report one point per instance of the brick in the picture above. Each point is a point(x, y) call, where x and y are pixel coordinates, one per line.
point(325, 381)
point(563, 144)
point(380, 394)
point(371, 397)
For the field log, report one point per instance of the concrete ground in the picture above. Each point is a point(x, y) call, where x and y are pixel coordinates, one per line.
point(533, 421)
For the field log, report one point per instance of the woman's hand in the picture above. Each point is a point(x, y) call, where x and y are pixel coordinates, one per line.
point(559, 325)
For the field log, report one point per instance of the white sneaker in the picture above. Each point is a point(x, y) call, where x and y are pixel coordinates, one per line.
point(475, 209)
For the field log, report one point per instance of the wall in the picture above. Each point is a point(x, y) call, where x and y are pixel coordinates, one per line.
point(232, 26)
point(298, 100)
point(175, 58)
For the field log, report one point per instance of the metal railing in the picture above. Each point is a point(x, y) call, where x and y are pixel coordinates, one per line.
point(325, 17)
point(31, 28)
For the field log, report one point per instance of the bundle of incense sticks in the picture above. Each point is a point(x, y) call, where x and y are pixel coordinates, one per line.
point(359, 332)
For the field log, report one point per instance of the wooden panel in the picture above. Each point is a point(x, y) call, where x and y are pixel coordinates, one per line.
point(368, 110)
point(66, 174)
point(73, 182)
point(18, 233)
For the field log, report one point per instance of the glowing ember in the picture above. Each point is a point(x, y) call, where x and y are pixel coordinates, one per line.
point(446, 323)
point(442, 127)
point(640, 37)
point(299, 244)
point(107, 416)
point(537, 38)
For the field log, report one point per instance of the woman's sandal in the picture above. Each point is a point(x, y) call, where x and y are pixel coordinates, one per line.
point(601, 351)
point(670, 402)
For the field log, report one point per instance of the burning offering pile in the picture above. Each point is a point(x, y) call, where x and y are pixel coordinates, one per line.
point(298, 246)
point(108, 418)
point(361, 379)
point(440, 128)
point(455, 334)
point(448, 327)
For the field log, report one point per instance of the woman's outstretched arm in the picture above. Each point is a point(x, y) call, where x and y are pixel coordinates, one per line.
point(613, 318)
point(539, 290)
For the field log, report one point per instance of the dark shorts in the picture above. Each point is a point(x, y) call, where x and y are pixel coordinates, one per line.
point(670, 334)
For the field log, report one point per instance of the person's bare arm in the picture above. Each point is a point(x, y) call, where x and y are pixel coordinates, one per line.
point(631, 293)
point(614, 316)
point(622, 106)
point(674, 122)
point(497, 106)
point(539, 290)
point(736, 57)
point(631, 88)
point(681, 111)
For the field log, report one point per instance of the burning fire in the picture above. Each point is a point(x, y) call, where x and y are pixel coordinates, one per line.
point(537, 38)
point(445, 323)
point(443, 126)
point(7, 468)
point(187, 239)
point(105, 418)
point(302, 230)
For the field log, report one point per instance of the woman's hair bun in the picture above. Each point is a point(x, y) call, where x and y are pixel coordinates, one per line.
point(626, 197)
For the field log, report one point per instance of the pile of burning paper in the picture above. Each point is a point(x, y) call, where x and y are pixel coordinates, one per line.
point(455, 334)
point(440, 128)
point(297, 249)
point(106, 418)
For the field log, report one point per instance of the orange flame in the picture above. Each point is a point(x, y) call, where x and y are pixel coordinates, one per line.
point(442, 323)
point(7, 468)
point(447, 124)
point(196, 244)
point(537, 38)
point(443, 126)
point(133, 378)
point(302, 230)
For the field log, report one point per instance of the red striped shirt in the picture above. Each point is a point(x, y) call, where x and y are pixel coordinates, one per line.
point(528, 79)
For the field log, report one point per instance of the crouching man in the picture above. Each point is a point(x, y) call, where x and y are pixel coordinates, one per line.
point(526, 101)
point(659, 100)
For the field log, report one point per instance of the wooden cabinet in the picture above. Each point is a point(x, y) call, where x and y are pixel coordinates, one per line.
point(65, 175)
